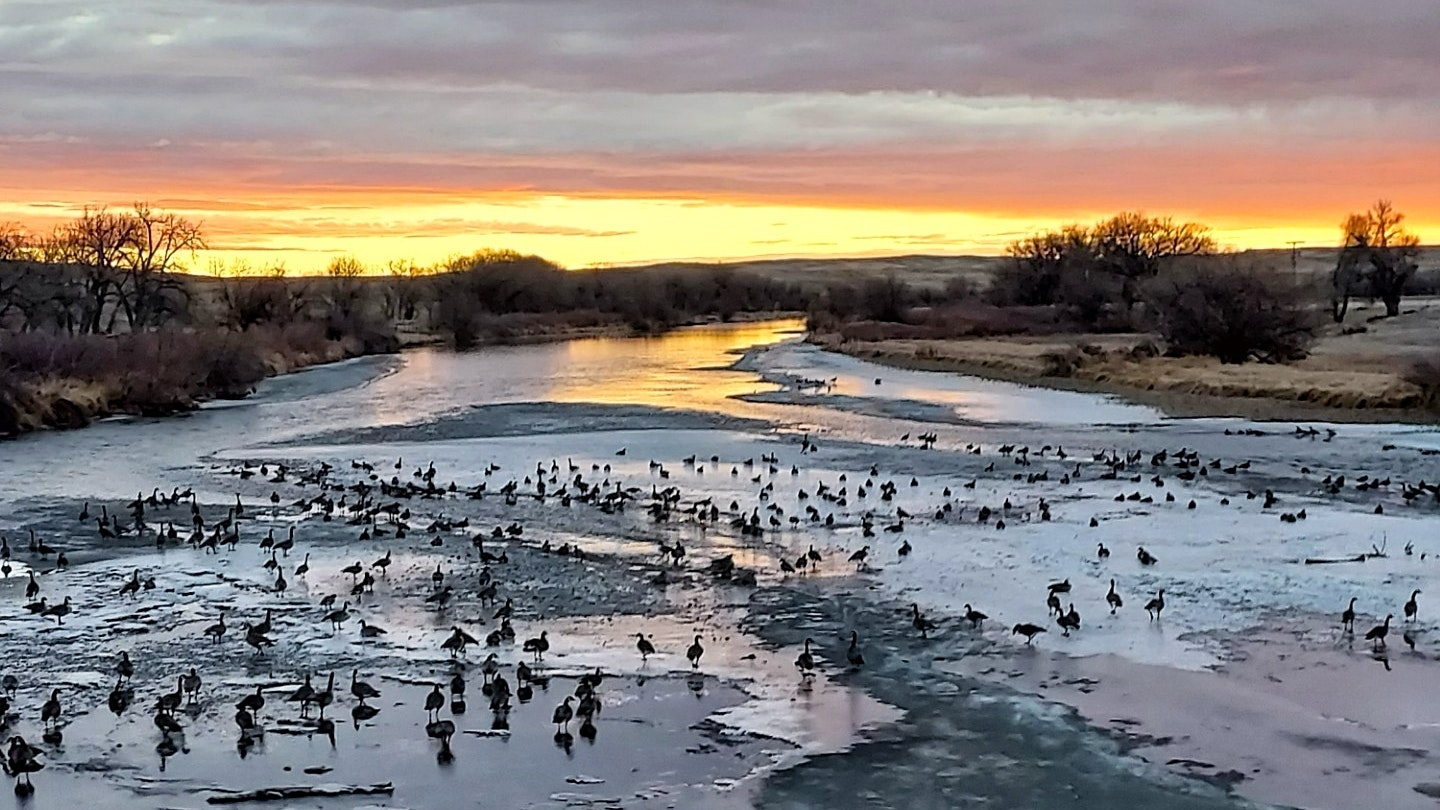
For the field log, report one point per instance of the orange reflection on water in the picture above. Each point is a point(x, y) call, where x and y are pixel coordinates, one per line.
point(661, 370)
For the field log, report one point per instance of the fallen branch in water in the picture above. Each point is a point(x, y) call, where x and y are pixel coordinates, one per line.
point(282, 793)
point(1358, 558)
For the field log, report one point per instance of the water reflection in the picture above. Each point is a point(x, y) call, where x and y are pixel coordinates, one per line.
point(685, 369)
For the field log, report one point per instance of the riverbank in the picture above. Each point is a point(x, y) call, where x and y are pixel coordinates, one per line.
point(50, 382)
point(1354, 377)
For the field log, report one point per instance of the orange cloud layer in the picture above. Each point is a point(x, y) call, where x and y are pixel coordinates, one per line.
point(248, 196)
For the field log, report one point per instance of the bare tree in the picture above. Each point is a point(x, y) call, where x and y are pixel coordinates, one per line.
point(150, 292)
point(1377, 253)
point(96, 241)
point(1039, 264)
point(345, 291)
point(403, 300)
point(1134, 246)
point(15, 242)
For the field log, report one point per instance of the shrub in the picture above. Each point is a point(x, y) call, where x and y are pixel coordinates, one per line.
point(1424, 373)
point(1232, 312)
point(1062, 362)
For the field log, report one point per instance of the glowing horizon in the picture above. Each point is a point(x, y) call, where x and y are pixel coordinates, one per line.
point(621, 132)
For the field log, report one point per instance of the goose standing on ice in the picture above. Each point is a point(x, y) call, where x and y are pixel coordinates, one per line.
point(805, 662)
point(974, 616)
point(562, 717)
point(644, 646)
point(1378, 633)
point(1029, 631)
point(694, 652)
point(539, 646)
point(853, 654)
point(919, 622)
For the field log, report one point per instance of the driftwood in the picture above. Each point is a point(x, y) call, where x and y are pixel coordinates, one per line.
point(282, 793)
point(1358, 558)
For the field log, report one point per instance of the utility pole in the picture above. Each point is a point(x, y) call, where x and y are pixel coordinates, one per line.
point(1294, 259)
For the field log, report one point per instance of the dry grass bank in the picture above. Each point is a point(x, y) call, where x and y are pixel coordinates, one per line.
point(1357, 377)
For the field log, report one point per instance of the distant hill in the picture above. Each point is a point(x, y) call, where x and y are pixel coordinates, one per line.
point(936, 271)
point(921, 271)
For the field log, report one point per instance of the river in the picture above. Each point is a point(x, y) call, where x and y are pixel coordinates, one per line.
point(970, 717)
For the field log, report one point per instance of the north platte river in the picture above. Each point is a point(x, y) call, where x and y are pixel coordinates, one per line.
point(1244, 691)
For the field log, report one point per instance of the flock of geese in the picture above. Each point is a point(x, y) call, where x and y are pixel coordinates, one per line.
point(377, 506)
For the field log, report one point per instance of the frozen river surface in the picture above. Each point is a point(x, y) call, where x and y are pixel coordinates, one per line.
point(740, 441)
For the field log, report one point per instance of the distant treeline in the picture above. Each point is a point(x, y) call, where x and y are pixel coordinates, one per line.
point(99, 316)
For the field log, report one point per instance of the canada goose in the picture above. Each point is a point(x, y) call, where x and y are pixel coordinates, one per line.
point(853, 654)
point(22, 759)
point(974, 616)
point(32, 589)
point(859, 557)
point(245, 720)
point(694, 652)
point(562, 716)
point(326, 697)
point(643, 644)
point(125, 669)
point(1378, 633)
point(50, 712)
point(1059, 587)
point(191, 682)
point(539, 646)
point(337, 617)
point(253, 703)
point(216, 630)
point(118, 700)
point(1145, 557)
point(168, 725)
point(59, 611)
point(1102, 552)
point(1154, 606)
point(259, 641)
point(1411, 608)
point(302, 695)
point(360, 689)
point(919, 622)
point(1068, 621)
point(303, 568)
point(1029, 631)
point(1113, 599)
point(1347, 618)
point(457, 641)
point(805, 662)
point(370, 630)
point(170, 701)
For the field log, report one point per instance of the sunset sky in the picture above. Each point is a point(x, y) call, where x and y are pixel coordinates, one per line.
point(620, 131)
